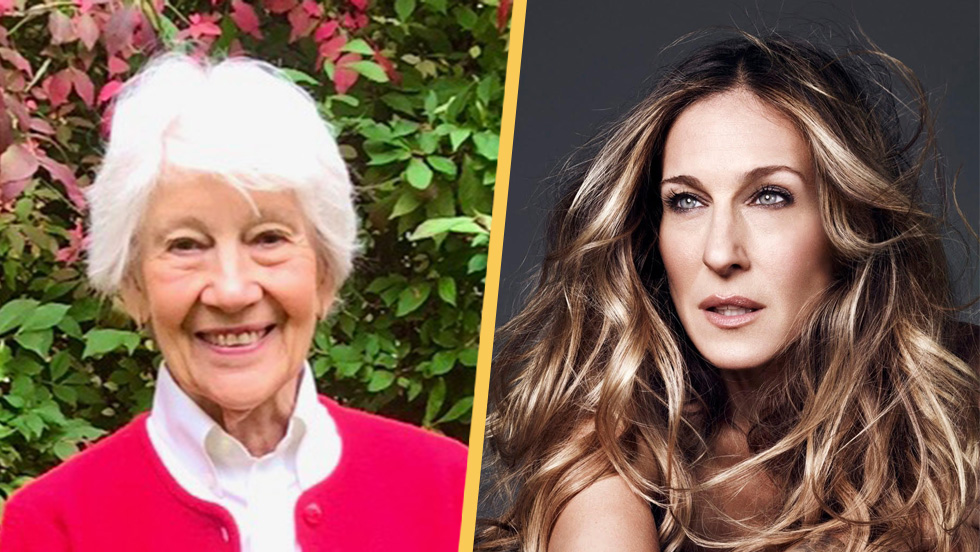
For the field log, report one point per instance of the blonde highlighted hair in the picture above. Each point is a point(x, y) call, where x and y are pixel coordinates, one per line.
point(874, 440)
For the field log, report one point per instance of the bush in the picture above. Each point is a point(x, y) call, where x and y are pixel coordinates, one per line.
point(414, 89)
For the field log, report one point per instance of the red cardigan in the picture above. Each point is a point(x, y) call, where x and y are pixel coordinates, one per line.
point(397, 487)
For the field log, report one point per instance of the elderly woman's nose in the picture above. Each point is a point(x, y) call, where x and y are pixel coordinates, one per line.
point(724, 247)
point(232, 285)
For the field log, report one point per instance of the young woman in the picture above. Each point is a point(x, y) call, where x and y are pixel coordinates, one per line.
point(744, 321)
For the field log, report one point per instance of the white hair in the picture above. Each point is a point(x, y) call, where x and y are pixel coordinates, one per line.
point(239, 119)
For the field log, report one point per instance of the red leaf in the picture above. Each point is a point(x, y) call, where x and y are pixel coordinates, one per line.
point(64, 174)
point(57, 86)
point(201, 25)
point(77, 241)
point(354, 21)
point(108, 91)
point(503, 10)
point(389, 67)
point(301, 24)
point(17, 60)
point(118, 32)
point(312, 8)
point(10, 190)
point(87, 29)
point(6, 127)
point(325, 31)
point(117, 66)
point(6, 6)
point(330, 49)
point(344, 78)
point(105, 125)
point(19, 111)
point(84, 6)
point(244, 16)
point(59, 25)
point(279, 6)
point(41, 126)
point(17, 163)
point(359, 4)
point(83, 86)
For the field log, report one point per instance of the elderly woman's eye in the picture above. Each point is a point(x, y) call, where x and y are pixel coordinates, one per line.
point(183, 244)
point(682, 202)
point(270, 238)
point(773, 197)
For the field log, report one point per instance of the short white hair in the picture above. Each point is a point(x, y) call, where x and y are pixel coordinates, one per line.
point(239, 119)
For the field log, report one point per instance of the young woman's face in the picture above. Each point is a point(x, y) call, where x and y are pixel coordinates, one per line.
point(741, 236)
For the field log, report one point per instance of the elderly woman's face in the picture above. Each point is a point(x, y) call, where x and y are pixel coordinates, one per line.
point(232, 295)
point(741, 235)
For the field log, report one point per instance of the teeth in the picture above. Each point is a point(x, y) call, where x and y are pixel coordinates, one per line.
point(732, 311)
point(233, 340)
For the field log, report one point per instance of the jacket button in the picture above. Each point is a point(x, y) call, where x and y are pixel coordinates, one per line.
point(313, 514)
point(224, 534)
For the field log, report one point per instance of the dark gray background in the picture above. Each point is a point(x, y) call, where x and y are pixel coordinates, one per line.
point(585, 63)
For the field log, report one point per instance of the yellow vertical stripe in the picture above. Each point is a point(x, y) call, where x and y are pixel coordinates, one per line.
point(468, 527)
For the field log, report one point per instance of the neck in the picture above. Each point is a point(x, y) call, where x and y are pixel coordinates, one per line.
point(261, 428)
point(745, 392)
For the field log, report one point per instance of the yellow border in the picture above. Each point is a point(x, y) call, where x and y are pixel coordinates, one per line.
point(474, 462)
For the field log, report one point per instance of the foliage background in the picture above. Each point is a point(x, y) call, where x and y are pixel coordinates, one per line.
point(414, 89)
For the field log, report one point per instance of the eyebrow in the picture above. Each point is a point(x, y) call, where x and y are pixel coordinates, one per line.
point(754, 174)
point(194, 223)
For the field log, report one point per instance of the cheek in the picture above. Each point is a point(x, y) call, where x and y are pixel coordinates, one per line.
point(293, 285)
point(800, 259)
point(681, 259)
point(172, 294)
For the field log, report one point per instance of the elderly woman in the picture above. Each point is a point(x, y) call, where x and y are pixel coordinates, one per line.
point(222, 218)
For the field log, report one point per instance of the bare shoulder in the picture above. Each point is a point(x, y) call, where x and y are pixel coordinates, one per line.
point(606, 516)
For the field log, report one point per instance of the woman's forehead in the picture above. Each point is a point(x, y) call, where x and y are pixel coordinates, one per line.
point(203, 200)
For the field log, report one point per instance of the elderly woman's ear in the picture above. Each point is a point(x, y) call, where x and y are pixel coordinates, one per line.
point(325, 293)
point(133, 299)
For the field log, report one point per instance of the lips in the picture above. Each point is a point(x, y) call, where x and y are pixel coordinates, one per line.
point(237, 338)
point(729, 312)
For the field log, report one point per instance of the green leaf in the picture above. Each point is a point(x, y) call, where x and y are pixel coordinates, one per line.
point(59, 365)
point(477, 263)
point(5, 356)
point(380, 380)
point(404, 8)
point(437, 396)
point(299, 77)
point(321, 366)
point(458, 136)
point(64, 449)
point(15, 312)
point(44, 317)
point(487, 144)
point(407, 202)
point(358, 46)
point(436, 226)
point(414, 389)
point(461, 408)
point(442, 362)
point(412, 298)
point(468, 356)
point(418, 174)
point(100, 342)
point(70, 327)
point(442, 164)
point(370, 70)
point(38, 341)
point(447, 290)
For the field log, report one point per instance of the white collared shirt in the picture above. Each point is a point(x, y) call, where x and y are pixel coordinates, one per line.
point(259, 493)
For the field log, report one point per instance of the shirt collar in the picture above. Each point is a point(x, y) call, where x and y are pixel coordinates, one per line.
point(186, 431)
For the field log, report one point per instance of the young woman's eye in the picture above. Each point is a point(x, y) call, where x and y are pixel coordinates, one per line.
point(683, 202)
point(773, 197)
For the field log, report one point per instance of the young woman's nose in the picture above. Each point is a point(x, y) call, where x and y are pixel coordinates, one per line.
point(232, 285)
point(724, 248)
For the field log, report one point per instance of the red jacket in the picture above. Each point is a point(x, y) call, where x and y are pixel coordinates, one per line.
point(397, 487)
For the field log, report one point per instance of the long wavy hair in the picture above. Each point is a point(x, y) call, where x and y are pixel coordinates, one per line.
point(873, 441)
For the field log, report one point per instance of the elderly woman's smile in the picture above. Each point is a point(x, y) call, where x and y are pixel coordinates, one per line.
point(226, 289)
